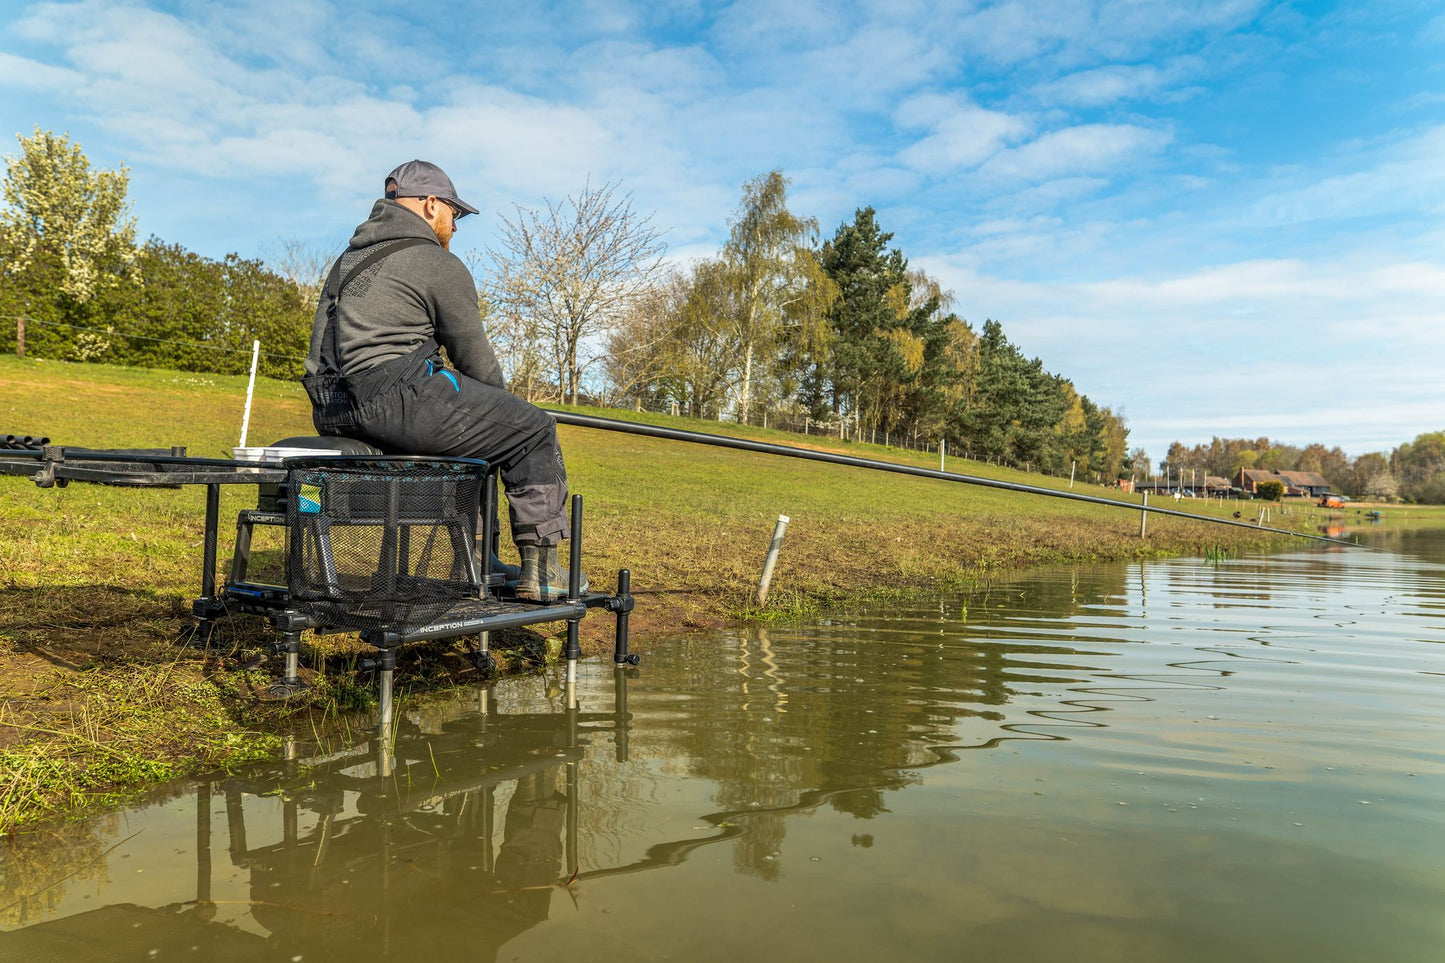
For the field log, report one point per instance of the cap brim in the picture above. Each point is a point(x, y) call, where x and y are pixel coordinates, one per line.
point(465, 206)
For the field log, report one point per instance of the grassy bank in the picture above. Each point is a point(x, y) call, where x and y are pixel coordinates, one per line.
point(95, 582)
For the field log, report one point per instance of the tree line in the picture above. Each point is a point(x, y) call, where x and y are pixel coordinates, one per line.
point(71, 267)
point(778, 327)
point(1414, 471)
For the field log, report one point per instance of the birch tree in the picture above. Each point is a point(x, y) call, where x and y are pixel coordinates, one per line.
point(780, 289)
point(570, 272)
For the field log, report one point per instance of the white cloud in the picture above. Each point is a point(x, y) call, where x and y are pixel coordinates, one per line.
point(763, 26)
point(1400, 174)
point(961, 134)
point(1073, 151)
point(1071, 32)
point(1111, 83)
point(868, 69)
point(674, 73)
point(32, 75)
point(1344, 352)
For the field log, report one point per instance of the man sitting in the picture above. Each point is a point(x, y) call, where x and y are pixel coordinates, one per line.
point(392, 300)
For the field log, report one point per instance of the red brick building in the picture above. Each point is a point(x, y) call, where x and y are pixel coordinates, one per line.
point(1301, 483)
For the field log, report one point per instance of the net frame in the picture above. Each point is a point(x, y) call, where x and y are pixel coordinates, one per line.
point(382, 542)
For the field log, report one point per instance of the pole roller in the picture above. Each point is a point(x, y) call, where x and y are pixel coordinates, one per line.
point(743, 444)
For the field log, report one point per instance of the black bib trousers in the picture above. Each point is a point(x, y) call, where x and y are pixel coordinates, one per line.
point(414, 405)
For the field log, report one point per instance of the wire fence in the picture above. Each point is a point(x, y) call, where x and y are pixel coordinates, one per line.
point(23, 343)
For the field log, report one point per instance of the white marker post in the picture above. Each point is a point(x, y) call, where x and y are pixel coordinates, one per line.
point(774, 547)
point(250, 387)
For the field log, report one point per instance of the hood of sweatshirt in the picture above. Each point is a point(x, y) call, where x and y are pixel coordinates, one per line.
point(388, 221)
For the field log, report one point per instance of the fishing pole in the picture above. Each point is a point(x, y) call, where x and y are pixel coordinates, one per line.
point(788, 451)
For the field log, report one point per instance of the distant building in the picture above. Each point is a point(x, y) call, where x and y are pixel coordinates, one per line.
point(1216, 485)
point(1302, 483)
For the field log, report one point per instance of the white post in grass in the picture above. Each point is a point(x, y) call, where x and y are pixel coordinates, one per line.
point(942, 454)
point(250, 387)
point(773, 548)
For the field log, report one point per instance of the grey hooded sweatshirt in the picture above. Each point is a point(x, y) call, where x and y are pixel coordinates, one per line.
point(413, 294)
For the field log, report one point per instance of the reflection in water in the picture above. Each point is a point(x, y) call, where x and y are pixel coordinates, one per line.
point(1169, 760)
point(386, 846)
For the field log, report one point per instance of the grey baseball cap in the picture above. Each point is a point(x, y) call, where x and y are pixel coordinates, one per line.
point(419, 178)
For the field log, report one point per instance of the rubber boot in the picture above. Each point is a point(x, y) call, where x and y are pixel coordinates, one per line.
point(510, 572)
point(543, 578)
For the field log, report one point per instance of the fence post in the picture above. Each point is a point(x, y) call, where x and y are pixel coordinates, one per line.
point(1072, 466)
point(942, 454)
point(1144, 515)
point(250, 387)
point(20, 336)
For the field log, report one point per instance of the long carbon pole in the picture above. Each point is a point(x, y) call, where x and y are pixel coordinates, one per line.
point(787, 451)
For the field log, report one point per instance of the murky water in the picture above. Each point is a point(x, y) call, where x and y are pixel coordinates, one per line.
point(1159, 761)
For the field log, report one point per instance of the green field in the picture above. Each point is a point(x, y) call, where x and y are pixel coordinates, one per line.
point(95, 582)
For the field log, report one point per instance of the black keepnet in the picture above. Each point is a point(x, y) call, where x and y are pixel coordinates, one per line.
point(382, 542)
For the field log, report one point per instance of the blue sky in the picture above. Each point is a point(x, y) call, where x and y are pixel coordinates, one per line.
point(1222, 217)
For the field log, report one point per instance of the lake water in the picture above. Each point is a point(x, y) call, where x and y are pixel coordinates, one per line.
point(1168, 760)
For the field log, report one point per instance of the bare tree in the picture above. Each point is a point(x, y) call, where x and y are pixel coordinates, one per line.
point(641, 348)
point(304, 265)
point(571, 272)
point(515, 339)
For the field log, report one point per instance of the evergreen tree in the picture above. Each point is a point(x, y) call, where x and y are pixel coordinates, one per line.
point(872, 281)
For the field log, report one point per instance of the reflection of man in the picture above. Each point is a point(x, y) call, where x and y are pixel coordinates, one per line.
point(530, 859)
point(374, 373)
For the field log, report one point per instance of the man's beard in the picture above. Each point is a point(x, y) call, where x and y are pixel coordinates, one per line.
point(444, 234)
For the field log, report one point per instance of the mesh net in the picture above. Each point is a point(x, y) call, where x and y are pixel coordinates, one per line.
point(381, 543)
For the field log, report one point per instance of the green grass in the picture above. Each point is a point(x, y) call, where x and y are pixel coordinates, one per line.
point(97, 581)
point(114, 730)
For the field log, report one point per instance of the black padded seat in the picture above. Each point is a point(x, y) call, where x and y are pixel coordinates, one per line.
point(342, 446)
